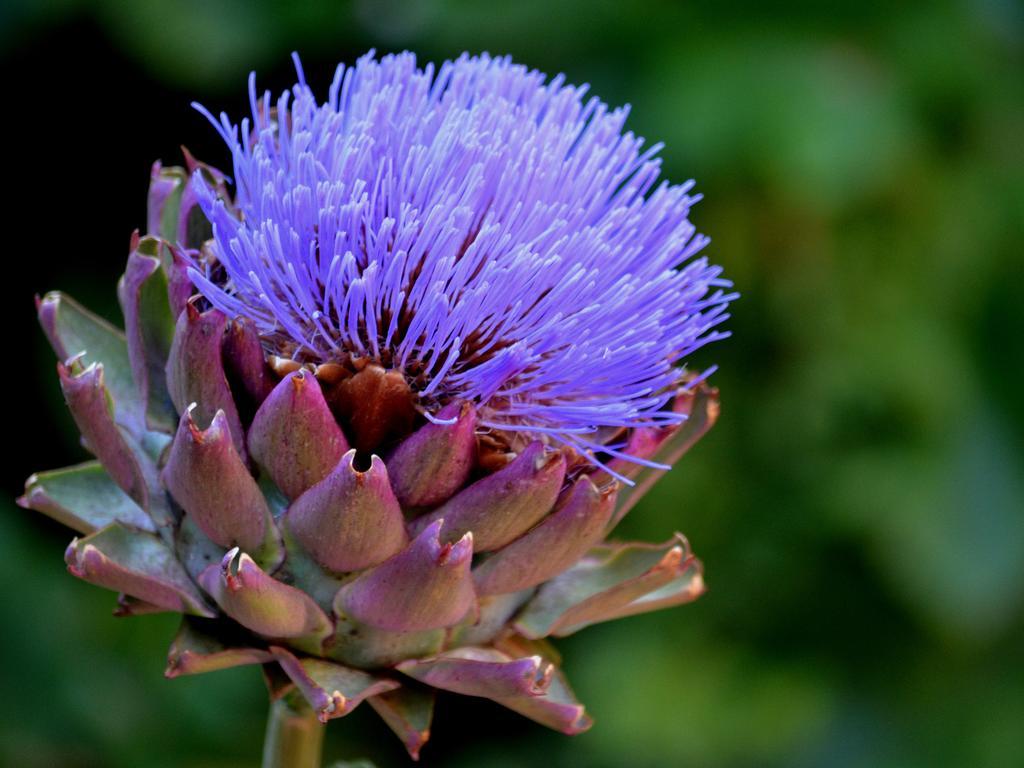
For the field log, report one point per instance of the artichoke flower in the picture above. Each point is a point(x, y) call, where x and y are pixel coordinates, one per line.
point(375, 412)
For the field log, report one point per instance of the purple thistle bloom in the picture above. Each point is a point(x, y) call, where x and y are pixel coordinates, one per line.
point(475, 244)
point(494, 236)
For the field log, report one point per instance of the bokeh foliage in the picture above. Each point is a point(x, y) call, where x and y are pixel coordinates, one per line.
point(859, 507)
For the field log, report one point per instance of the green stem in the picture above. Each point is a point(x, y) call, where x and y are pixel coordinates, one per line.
point(295, 738)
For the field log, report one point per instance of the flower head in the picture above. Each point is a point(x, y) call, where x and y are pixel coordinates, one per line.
point(494, 236)
point(474, 243)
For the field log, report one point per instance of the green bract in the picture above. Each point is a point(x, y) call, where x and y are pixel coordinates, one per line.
point(308, 518)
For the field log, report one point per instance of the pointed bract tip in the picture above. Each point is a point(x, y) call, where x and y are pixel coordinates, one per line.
point(447, 554)
point(192, 311)
point(70, 557)
point(544, 458)
point(229, 574)
point(540, 680)
point(190, 162)
point(453, 555)
point(298, 379)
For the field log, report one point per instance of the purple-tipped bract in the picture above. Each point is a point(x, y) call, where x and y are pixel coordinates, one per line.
point(441, 363)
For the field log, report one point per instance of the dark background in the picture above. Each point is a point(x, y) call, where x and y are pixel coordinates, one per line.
point(859, 507)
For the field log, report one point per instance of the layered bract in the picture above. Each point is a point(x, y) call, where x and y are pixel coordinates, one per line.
point(326, 460)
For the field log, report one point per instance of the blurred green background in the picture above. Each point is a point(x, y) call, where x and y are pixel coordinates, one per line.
point(859, 507)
